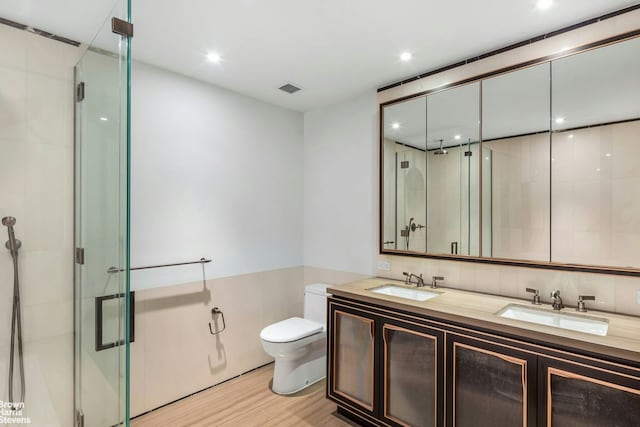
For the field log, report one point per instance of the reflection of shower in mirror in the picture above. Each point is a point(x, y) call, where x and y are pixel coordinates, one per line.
point(408, 229)
point(440, 150)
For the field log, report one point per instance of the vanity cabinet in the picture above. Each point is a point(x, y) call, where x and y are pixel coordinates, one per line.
point(489, 385)
point(353, 358)
point(383, 370)
point(412, 366)
point(389, 367)
point(579, 395)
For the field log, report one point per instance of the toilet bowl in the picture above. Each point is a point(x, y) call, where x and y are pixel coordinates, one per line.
point(299, 345)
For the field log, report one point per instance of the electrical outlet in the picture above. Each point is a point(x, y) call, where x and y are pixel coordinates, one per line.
point(386, 266)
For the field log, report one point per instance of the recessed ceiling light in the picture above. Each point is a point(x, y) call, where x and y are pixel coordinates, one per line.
point(571, 136)
point(395, 125)
point(104, 119)
point(559, 120)
point(406, 56)
point(598, 170)
point(544, 4)
point(214, 57)
point(457, 137)
point(608, 154)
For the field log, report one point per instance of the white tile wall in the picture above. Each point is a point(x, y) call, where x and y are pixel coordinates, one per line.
point(36, 141)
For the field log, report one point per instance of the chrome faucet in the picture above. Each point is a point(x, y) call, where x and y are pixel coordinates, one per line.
point(557, 301)
point(419, 280)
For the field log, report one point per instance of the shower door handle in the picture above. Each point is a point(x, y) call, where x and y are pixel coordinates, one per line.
point(99, 317)
point(454, 248)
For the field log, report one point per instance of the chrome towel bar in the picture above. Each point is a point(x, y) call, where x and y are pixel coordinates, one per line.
point(112, 270)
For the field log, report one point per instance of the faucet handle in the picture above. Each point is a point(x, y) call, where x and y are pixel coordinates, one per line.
point(434, 281)
point(581, 305)
point(536, 295)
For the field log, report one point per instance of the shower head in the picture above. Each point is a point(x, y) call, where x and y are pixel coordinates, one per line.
point(440, 150)
point(9, 221)
point(12, 244)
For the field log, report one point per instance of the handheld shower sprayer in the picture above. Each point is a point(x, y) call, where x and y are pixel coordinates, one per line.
point(12, 244)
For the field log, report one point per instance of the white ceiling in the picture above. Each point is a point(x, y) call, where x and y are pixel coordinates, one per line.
point(333, 49)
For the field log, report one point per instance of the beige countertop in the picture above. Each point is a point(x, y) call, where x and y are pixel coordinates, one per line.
point(477, 309)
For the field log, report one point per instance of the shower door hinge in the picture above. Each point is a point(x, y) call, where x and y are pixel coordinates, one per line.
point(468, 153)
point(80, 92)
point(79, 418)
point(119, 26)
point(80, 256)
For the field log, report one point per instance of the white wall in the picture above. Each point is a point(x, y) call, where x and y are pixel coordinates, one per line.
point(340, 186)
point(215, 174)
point(36, 172)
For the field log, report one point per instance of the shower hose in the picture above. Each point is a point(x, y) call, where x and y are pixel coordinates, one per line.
point(16, 334)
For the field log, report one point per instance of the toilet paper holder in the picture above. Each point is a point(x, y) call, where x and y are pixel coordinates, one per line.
point(216, 311)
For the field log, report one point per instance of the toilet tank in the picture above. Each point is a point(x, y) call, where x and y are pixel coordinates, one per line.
point(315, 302)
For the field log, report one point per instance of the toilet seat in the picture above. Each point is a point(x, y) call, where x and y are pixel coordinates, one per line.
point(289, 330)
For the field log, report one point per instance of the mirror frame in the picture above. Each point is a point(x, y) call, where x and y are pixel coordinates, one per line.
point(586, 268)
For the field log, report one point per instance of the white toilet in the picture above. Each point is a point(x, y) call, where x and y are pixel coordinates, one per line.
point(299, 346)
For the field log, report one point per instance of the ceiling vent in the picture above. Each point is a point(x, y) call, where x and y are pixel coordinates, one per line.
point(289, 88)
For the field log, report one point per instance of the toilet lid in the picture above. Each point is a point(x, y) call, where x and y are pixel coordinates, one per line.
point(291, 329)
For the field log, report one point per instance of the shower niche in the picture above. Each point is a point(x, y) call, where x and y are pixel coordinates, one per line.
point(537, 165)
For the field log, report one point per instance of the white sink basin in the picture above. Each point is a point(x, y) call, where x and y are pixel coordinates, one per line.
point(402, 292)
point(573, 322)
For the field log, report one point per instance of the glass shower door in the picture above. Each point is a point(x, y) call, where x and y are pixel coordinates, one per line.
point(102, 301)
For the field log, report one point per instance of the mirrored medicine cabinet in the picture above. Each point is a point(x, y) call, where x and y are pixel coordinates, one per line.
point(537, 166)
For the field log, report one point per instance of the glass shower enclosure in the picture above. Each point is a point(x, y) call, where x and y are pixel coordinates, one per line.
point(102, 301)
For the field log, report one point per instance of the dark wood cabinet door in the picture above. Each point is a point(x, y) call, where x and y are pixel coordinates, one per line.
point(352, 359)
point(412, 375)
point(489, 385)
point(579, 396)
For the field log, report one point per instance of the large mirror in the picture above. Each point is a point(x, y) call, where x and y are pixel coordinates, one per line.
point(596, 157)
point(515, 131)
point(453, 187)
point(537, 165)
point(405, 175)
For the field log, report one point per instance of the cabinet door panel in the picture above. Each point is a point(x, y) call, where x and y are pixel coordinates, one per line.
point(589, 399)
point(411, 382)
point(491, 385)
point(353, 358)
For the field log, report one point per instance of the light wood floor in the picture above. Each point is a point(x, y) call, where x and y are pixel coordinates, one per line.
point(247, 401)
